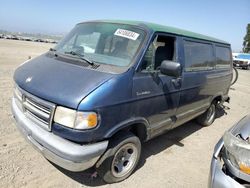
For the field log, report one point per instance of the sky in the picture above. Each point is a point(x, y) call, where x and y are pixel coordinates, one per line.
point(223, 19)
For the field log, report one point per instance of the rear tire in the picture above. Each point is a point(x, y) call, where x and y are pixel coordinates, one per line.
point(121, 158)
point(208, 117)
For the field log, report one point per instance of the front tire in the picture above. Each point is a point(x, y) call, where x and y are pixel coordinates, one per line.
point(121, 159)
point(208, 117)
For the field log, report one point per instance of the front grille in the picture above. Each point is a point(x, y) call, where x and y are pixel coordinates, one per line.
point(240, 62)
point(34, 108)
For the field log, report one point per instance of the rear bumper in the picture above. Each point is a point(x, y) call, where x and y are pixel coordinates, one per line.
point(64, 153)
point(217, 178)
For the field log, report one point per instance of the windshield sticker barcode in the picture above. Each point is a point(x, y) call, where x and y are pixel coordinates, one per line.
point(127, 34)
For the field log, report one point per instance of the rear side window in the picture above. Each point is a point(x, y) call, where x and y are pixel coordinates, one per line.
point(198, 56)
point(223, 57)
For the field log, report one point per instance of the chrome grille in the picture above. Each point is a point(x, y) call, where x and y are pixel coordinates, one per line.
point(34, 108)
point(240, 62)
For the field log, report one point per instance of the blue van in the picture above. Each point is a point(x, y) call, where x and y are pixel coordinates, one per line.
point(108, 86)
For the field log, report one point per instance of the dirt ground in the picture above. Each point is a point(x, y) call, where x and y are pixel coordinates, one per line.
point(180, 158)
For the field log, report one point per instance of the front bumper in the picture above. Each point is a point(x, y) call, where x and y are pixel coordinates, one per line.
point(64, 153)
point(217, 178)
point(242, 65)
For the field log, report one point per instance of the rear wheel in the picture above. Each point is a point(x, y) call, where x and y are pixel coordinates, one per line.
point(121, 158)
point(208, 117)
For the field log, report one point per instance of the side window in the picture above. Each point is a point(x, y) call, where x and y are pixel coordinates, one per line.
point(223, 57)
point(162, 48)
point(198, 56)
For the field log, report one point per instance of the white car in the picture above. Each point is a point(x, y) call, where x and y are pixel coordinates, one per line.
point(241, 60)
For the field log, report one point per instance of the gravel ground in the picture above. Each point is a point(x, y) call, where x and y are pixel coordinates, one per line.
point(180, 158)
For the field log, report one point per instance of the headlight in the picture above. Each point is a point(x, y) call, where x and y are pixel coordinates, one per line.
point(238, 152)
point(75, 119)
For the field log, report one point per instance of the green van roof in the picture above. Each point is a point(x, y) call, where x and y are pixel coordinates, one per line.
point(167, 29)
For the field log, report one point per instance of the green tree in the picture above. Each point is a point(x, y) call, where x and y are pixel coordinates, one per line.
point(246, 43)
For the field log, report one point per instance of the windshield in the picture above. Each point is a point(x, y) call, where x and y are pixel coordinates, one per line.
point(243, 56)
point(103, 43)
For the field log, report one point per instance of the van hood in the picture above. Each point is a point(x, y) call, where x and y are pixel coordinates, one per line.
point(57, 81)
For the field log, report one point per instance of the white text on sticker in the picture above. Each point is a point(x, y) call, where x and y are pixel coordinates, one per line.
point(127, 34)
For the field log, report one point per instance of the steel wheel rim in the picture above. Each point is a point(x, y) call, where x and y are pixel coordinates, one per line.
point(124, 160)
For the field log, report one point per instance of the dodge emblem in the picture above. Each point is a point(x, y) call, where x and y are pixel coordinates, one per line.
point(28, 79)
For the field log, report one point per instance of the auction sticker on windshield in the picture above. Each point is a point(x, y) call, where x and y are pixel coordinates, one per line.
point(127, 34)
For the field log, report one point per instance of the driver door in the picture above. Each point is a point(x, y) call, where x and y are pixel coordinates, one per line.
point(156, 94)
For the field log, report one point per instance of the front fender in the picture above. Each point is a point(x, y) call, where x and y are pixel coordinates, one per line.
point(127, 124)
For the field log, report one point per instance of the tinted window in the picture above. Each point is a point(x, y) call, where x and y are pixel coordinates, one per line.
point(198, 56)
point(223, 57)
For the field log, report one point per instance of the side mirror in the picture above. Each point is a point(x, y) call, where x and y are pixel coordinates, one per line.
point(170, 68)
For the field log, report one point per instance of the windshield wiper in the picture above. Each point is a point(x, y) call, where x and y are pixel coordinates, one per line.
point(81, 57)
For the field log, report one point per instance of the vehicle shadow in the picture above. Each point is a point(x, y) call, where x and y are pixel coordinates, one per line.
point(152, 147)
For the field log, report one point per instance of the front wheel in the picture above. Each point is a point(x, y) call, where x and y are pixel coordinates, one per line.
point(208, 117)
point(121, 159)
